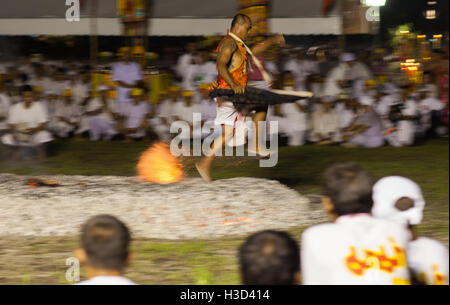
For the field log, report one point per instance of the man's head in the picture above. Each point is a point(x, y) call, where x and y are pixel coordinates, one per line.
point(348, 190)
point(67, 95)
point(270, 258)
point(27, 94)
point(105, 241)
point(137, 95)
point(348, 59)
point(241, 25)
point(187, 97)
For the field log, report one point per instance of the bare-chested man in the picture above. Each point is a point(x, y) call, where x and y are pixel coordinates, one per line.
point(233, 74)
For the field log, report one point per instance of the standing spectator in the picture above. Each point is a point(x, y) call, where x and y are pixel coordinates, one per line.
point(104, 252)
point(400, 200)
point(27, 121)
point(339, 79)
point(187, 59)
point(127, 74)
point(355, 248)
point(270, 258)
point(205, 71)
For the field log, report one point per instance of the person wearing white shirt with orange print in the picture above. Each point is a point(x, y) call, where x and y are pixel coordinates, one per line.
point(355, 248)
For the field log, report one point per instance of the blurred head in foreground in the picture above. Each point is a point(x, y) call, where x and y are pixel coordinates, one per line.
point(348, 190)
point(105, 242)
point(270, 258)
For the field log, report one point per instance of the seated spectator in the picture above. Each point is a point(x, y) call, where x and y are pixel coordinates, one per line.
point(67, 116)
point(367, 129)
point(184, 111)
point(102, 116)
point(429, 109)
point(27, 121)
point(104, 252)
point(270, 258)
point(348, 113)
point(292, 118)
point(164, 113)
point(403, 115)
point(208, 110)
point(400, 200)
point(5, 103)
point(325, 122)
point(136, 115)
point(355, 248)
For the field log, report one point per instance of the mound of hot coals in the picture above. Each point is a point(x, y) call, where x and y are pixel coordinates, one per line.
point(58, 205)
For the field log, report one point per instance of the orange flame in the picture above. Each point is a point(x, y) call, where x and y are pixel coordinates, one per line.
point(158, 165)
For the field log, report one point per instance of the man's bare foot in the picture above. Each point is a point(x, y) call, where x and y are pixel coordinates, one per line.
point(204, 173)
point(259, 154)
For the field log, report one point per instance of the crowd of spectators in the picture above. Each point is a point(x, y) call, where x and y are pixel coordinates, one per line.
point(360, 99)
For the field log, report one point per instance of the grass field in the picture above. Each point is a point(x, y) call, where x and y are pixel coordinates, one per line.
point(31, 260)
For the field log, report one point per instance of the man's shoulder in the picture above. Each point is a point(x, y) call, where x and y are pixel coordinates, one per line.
point(320, 230)
point(229, 42)
point(430, 244)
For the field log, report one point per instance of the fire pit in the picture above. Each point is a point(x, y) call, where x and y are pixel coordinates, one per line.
point(186, 209)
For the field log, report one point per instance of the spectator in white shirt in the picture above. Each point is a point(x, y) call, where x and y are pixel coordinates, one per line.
point(27, 121)
point(67, 116)
point(205, 71)
point(186, 59)
point(400, 200)
point(104, 252)
point(183, 111)
point(428, 106)
point(325, 122)
point(404, 114)
point(102, 116)
point(355, 248)
point(367, 129)
point(5, 103)
point(136, 115)
point(127, 74)
point(291, 117)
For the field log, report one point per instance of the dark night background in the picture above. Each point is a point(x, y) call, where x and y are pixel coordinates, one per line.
point(397, 12)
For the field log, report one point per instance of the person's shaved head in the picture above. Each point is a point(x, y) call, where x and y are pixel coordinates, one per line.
point(240, 19)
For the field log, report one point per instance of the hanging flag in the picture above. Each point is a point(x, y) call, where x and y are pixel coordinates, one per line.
point(327, 6)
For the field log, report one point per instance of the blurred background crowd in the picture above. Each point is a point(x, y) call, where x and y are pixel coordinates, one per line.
point(362, 97)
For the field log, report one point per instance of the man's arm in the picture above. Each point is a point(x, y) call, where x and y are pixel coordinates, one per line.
point(226, 51)
point(261, 47)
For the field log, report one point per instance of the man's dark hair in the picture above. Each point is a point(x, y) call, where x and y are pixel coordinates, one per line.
point(25, 88)
point(269, 258)
point(240, 19)
point(350, 188)
point(105, 240)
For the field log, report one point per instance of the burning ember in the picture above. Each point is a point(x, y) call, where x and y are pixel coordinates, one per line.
point(158, 165)
point(38, 182)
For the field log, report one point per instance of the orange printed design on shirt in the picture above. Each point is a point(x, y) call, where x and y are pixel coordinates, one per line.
point(375, 259)
point(239, 73)
point(439, 278)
